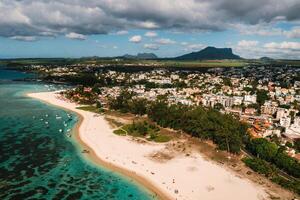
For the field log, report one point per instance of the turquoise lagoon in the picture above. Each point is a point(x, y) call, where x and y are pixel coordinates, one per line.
point(39, 161)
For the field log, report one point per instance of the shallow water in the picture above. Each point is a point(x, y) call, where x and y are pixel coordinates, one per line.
point(38, 161)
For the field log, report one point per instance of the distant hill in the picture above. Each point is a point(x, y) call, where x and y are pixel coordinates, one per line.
point(141, 56)
point(209, 53)
point(266, 59)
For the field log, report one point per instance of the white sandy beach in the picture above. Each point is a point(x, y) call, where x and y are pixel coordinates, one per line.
point(194, 177)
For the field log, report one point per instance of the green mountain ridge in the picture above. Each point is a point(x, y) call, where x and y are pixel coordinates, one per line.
point(209, 53)
point(141, 56)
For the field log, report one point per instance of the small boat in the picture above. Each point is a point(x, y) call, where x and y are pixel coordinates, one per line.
point(58, 117)
point(42, 119)
point(46, 122)
point(68, 135)
point(46, 115)
point(85, 151)
point(60, 130)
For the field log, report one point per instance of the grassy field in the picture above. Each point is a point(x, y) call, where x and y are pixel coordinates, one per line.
point(288, 62)
point(149, 131)
point(90, 109)
point(205, 63)
point(147, 63)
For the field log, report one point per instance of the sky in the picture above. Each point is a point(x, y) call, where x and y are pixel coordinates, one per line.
point(80, 28)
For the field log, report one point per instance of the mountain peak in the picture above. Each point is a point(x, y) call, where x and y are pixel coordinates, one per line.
point(210, 53)
point(141, 56)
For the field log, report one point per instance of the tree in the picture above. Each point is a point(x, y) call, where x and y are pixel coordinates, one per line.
point(96, 89)
point(297, 144)
point(263, 149)
point(288, 164)
point(227, 81)
point(138, 106)
point(218, 106)
point(262, 96)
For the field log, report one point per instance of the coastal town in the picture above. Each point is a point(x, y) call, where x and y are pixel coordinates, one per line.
point(265, 97)
point(150, 100)
point(250, 113)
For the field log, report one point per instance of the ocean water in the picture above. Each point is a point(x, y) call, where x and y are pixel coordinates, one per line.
point(39, 160)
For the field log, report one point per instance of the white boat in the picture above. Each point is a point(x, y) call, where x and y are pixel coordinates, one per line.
point(60, 130)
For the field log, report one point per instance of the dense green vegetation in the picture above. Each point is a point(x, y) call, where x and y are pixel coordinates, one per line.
point(143, 129)
point(260, 166)
point(159, 138)
point(271, 172)
point(91, 109)
point(120, 132)
point(200, 122)
point(209, 53)
point(125, 102)
point(262, 96)
point(297, 145)
point(224, 130)
point(270, 152)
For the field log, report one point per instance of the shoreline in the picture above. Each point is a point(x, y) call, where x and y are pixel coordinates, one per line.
point(128, 174)
point(197, 177)
point(101, 163)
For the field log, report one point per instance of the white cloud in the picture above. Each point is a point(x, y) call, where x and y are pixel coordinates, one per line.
point(184, 43)
point(247, 43)
point(262, 29)
point(147, 25)
point(165, 41)
point(293, 33)
point(135, 39)
point(283, 45)
point(285, 50)
point(59, 17)
point(75, 36)
point(150, 34)
point(24, 38)
point(151, 46)
point(123, 32)
point(192, 47)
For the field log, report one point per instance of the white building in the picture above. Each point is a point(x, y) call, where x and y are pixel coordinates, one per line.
point(285, 122)
point(237, 100)
point(250, 99)
point(297, 121)
point(281, 113)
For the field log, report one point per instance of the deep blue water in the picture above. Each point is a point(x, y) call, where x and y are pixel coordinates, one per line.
point(38, 161)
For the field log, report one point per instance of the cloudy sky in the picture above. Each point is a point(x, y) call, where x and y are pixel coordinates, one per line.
point(75, 28)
